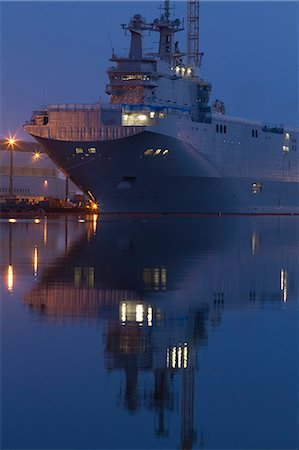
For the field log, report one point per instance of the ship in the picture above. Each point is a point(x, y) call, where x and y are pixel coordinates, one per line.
point(159, 146)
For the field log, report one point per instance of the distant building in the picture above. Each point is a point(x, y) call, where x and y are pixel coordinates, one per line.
point(35, 176)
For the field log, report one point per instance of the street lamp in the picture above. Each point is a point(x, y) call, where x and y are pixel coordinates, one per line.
point(11, 142)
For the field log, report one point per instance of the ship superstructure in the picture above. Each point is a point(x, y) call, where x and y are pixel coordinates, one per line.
point(159, 146)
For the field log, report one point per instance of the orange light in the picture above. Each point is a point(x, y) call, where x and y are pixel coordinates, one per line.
point(36, 155)
point(11, 141)
point(10, 278)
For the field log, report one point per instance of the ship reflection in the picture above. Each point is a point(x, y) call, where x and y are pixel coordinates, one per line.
point(159, 287)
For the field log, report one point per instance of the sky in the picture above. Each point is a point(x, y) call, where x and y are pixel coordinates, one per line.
point(58, 52)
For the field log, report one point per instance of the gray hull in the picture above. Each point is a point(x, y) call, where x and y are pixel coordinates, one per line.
point(123, 179)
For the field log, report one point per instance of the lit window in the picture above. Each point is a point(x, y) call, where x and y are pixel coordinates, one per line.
point(92, 150)
point(142, 117)
point(285, 149)
point(257, 187)
point(79, 150)
point(158, 151)
point(149, 151)
point(152, 114)
point(287, 136)
point(165, 151)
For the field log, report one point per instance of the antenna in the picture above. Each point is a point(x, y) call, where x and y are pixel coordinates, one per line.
point(111, 43)
point(192, 55)
point(166, 10)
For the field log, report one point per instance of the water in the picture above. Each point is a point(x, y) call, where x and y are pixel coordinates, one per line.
point(161, 333)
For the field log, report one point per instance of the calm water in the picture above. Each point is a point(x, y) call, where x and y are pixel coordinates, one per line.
point(150, 334)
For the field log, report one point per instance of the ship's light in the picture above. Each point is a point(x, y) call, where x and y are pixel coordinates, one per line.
point(287, 136)
point(46, 183)
point(152, 114)
point(11, 141)
point(36, 155)
point(142, 117)
point(177, 69)
point(36, 221)
point(126, 116)
point(12, 220)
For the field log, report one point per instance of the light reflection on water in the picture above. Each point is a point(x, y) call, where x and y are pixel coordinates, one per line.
point(154, 333)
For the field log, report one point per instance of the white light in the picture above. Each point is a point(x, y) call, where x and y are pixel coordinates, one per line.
point(177, 69)
point(150, 316)
point(139, 313)
point(287, 136)
point(12, 220)
point(81, 220)
point(152, 114)
point(123, 311)
point(185, 356)
point(126, 116)
point(179, 357)
point(46, 183)
point(142, 117)
point(173, 357)
point(36, 221)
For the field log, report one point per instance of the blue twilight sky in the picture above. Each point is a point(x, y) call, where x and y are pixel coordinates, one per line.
point(57, 52)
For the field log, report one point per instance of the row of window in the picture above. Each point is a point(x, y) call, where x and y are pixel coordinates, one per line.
point(158, 151)
point(16, 190)
point(80, 150)
point(220, 128)
point(129, 77)
point(257, 188)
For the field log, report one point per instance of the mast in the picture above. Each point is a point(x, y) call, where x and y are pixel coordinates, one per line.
point(192, 56)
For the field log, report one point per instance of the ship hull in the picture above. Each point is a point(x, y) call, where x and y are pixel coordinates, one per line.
point(122, 178)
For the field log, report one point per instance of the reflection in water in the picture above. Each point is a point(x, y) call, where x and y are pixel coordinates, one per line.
point(10, 278)
point(158, 288)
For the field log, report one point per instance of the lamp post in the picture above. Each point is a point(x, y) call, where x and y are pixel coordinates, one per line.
point(11, 143)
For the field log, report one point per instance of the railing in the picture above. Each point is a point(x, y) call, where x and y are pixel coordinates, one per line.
point(82, 106)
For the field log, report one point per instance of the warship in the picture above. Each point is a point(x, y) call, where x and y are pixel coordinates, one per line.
point(159, 146)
